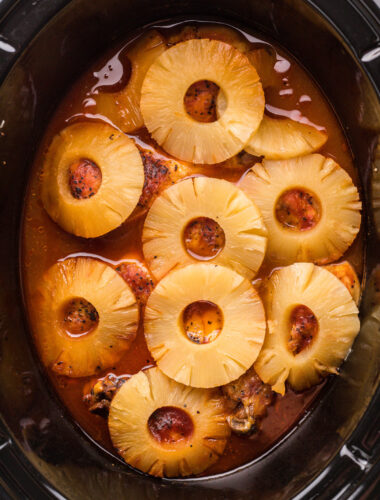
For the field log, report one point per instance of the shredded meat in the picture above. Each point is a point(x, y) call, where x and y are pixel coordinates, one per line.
point(246, 399)
point(99, 398)
point(138, 278)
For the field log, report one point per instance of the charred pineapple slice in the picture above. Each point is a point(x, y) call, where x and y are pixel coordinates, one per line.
point(312, 323)
point(86, 315)
point(234, 230)
point(195, 346)
point(84, 155)
point(310, 207)
point(279, 139)
point(167, 429)
point(164, 89)
point(123, 108)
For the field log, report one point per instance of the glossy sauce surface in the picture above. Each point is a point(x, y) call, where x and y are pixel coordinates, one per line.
point(292, 93)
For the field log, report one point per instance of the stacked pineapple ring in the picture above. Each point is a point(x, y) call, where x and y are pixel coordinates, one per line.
point(304, 205)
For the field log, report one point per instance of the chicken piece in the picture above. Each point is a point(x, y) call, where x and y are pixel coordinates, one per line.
point(304, 329)
point(347, 275)
point(85, 179)
point(200, 101)
point(246, 399)
point(204, 237)
point(138, 278)
point(99, 398)
point(159, 174)
point(298, 210)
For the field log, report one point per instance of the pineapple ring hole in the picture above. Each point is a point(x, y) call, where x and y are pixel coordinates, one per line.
point(202, 321)
point(298, 210)
point(200, 101)
point(303, 326)
point(203, 238)
point(79, 317)
point(170, 424)
point(85, 179)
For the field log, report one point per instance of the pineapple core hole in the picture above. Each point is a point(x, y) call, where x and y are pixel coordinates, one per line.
point(202, 321)
point(203, 238)
point(200, 101)
point(298, 209)
point(79, 317)
point(303, 327)
point(170, 424)
point(85, 179)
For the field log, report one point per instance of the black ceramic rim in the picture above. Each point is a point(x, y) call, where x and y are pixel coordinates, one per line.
point(28, 18)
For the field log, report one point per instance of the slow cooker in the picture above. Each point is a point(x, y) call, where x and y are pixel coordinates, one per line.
point(334, 451)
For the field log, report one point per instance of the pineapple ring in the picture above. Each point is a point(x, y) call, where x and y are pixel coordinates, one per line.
point(164, 89)
point(122, 174)
point(280, 139)
point(217, 199)
point(238, 343)
point(139, 398)
point(338, 198)
point(337, 316)
point(123, 108)
point(99, 284)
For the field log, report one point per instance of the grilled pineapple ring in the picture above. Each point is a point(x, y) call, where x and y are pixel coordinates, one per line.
point(139, 398)
point(338, 325)
point(279, 139)
point(340, 216)
point(240, 339)
point(162, 100)
point(122, 172)
point(114, 302)
point(236, 214)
